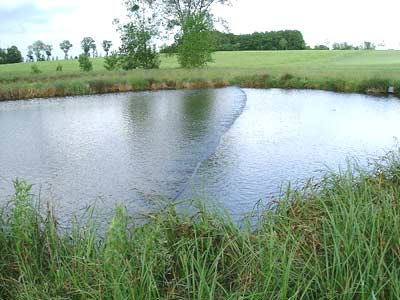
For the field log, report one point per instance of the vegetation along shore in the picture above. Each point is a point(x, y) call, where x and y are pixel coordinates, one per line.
point(336, 239)
point(370, 72)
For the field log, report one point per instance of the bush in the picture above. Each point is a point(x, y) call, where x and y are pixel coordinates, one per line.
point(35, 70)
point(59, 68)
point(112, 62)
point(321, 47)
point(84, 63)
point(144, 58)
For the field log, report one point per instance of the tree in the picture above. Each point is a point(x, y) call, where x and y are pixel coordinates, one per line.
point(38, 48)
point(321, 47)
point(29, 55)
point(107, 46)
point(368, 46)
point(283, 44)
point(84, 63)
point(194, 22)
point(93, 47)
point(48, 49)
point(176, 12)
point(87, 44)
point(196, 43)
point(13, 55)
point(112, 62)
point(343, 46)
point(65, 47)
point(3, 57)
point(138, 49)
point(255, 41)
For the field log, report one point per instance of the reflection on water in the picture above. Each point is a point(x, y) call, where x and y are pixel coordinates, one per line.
point(226, 146)
point(113, 148)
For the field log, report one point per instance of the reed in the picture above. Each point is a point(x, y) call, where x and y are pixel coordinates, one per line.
point(333, 239)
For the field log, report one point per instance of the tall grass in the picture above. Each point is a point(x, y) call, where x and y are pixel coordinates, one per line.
point(335, 239)
point(127, 83)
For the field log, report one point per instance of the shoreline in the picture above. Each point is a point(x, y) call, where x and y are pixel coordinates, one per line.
point(66, 88)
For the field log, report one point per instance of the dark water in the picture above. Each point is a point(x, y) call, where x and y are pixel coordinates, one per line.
point(230, 146)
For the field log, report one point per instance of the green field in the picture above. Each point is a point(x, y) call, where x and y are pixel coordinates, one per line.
point(343, 71)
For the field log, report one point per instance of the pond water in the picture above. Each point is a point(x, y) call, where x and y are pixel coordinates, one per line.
point(230, 146)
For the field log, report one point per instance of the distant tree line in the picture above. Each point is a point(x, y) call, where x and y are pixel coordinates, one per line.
point(40, 51)
point(272, 40)
point(345, 46)
point(10, 55)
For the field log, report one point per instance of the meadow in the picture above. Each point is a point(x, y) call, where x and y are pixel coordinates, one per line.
point(342, 71)
point(333, 239)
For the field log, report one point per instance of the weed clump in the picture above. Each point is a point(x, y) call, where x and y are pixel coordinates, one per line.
point(84, 63)
point(35, 69)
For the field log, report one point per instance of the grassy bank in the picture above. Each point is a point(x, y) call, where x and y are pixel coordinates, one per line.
point(338, 239)
point(342, 71)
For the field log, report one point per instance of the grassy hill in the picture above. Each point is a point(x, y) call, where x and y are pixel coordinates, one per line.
point(311, 69)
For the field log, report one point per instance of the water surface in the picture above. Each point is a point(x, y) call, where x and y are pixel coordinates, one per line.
point(232, 146)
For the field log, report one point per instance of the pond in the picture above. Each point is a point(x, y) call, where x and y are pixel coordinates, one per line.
point(228, 146)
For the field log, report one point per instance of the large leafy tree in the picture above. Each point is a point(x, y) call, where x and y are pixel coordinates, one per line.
point(10, 56)
point(176, 12)
point(196, 41)
point(30, 53)
point(38, 49)
point(13, 55)
point(48, 49)
point(87, 44)
point(137, 36)
point(194, 22)
point(94, 50)
point(65, 46)
point(3, 56)
point(190, 21)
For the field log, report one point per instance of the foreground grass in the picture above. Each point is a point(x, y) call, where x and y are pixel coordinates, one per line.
point(338, 239)
point(342, 71)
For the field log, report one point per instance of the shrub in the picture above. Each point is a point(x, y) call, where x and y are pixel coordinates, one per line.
point(84, 63)
point(59, 68)
point(98, 85)
point(35, 70)
point(112, 62)
point(374, 86)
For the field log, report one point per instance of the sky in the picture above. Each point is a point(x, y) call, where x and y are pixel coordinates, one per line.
point(320, 21)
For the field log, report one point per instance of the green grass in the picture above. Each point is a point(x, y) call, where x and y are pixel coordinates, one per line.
point(342, 71)
point(336, 239)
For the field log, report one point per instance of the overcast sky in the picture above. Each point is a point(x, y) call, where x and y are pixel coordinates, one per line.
point(321, 21)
